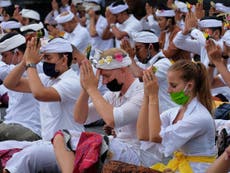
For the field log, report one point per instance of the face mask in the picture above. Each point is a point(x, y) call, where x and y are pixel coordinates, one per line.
point(114, 85)
point(49, 69)
point(179, 97)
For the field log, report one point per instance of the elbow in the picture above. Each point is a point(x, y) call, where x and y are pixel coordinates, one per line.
point(79, 120)
point(110, 123)
point(142, 137)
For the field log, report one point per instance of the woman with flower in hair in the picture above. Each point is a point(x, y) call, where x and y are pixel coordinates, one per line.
point(119, 108)
point(188, 130)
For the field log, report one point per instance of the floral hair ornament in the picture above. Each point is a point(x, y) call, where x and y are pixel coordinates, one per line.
point(118, 60)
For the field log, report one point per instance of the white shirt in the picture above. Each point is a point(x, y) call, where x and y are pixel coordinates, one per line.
point(194, 135)
point(185, 42)
point(162, 64)
point(80, 37)
point(59, 115)
point(23, 108)
point(130, 26)
point(97, 41)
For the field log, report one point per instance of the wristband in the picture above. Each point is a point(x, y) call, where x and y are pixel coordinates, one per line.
point(30, 65)
point(211, 65)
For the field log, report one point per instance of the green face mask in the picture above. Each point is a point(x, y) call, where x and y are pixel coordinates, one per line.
point(179, 98)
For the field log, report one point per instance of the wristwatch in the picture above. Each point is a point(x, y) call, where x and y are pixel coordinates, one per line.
point(30, 65)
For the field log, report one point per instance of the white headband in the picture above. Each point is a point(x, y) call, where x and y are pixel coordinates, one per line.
point(222, 8)
point(5, 3)
point(92, 6)
point(181, 6)
point(31, 14)
point(34, 27)
point(110, 62)
point(10, 25)
point(165, 13)
point(64, 17)
point(12, 43)
point(57, 45)
point(118, 9)
point(210, 23)
point(145, 37)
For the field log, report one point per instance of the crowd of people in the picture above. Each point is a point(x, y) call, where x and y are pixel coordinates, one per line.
point(158, 81)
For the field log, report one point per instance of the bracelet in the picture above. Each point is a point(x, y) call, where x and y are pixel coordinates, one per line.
point(112, 25)
point(211, 65)
point(30, 65)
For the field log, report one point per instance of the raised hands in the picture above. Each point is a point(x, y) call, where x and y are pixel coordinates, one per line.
point(125, 44)
point(199, 11)
point(214, 51)
point(150, 83)
point(190, 22)
point(110, 17)
point(32, 54)
point(87, 78)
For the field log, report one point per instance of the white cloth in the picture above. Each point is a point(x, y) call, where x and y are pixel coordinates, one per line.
point(210, 23)
point(97, 41)
point(31, 14)
point(64, 17)
point(10, 25)
point(150, 23)
point(162, 64)
point(130, 26)
point(23, 107)
point(194, 134)
point(145, 37)
point(5, 3)
point(165, 13)
point(118, 9)
point(33, 27)
point(125, 111)
point(80, 37)
point(12, 43)
point(226, 38)
point(59, 115)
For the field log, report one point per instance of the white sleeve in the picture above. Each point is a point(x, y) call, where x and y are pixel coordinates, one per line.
point(184, 42)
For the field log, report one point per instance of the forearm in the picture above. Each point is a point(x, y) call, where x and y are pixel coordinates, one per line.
point(104, 109)
point(154, 119)
point(142, 121)
point(107, 34)
point(13, 79)
point(92, 29)
point(223, 70)
point(81, 107)
point(117, 33)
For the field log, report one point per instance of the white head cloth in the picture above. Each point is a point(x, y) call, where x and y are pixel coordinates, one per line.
point(210, 23)
point(31, 14)
point(181, 6)
point(57, 45)
point(222, 8)
point(165, 13)
point(89, 5)
point(34, 27)
point(5, 3)
point(110, 62)
point(64, 17)
point(75, 2)
point(12, 43)
point(145, 37)
point(95, 1)
point(118, 9)
point(10, 25)
point(226, 38)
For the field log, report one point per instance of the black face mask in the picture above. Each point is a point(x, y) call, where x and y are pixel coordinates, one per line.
point(49, 69)
point(114, 85)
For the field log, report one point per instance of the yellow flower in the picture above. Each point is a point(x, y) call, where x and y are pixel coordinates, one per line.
point(109, 59)
point(101, 61)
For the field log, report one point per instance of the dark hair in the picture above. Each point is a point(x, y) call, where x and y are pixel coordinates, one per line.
point(213, 28)
point(9, 10)
point(69, 57)
point(22, 47)
point(196, 72)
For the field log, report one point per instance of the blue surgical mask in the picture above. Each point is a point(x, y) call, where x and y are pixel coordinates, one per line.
point(49, 69)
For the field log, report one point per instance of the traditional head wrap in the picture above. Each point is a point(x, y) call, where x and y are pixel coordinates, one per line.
point(198, 35)
point(33, 27)
point(210, 23)
point(10, 25)
point(181, 6)
point(64, 17)
point(226, 38)
point(31, 14)
point(57, 45)
point(118, 9)
point(222, 8)
point(75, 2)
point(5, 3)
point(12, 43)
point(89, 5)
point(145, 37)
point(110, 62)
point(165, 13)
